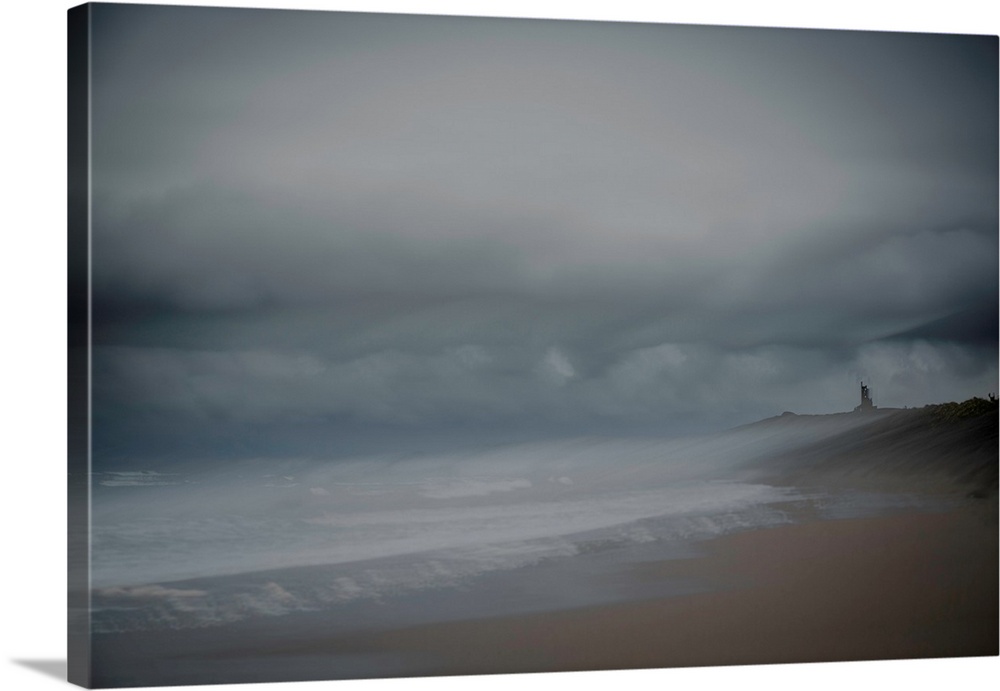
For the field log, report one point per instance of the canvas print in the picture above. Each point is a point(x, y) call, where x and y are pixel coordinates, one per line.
point(418, 345)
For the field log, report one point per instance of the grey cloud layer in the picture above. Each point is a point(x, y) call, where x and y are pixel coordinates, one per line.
point(427, 220)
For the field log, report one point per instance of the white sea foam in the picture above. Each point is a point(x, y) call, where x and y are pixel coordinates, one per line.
point(164, 548)
point(227, 599)
point(470, 487)
point(375, 528)
point(317, 513)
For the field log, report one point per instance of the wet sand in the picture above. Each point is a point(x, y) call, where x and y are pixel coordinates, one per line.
point(902, 586)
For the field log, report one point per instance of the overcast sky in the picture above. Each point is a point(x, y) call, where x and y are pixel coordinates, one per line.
point(320, 233)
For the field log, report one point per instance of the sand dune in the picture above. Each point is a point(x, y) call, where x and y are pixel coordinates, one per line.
point(935, 449)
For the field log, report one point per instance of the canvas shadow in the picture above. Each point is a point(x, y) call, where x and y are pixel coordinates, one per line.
point(50, 668)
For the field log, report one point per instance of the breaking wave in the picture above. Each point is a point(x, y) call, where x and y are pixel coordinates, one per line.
point(255, 540)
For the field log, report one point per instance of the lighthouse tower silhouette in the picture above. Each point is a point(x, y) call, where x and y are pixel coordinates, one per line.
point(866, 401)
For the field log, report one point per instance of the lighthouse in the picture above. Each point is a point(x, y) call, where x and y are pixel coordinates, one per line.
point(866, 401)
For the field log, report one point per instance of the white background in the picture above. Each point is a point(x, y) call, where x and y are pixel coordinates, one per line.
point(32, 395)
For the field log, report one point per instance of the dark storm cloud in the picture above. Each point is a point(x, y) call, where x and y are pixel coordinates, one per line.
point(429, 222)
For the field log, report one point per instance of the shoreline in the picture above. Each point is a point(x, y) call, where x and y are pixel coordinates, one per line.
point(899, 586)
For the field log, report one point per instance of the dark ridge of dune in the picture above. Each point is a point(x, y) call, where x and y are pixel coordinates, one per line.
point(948, 448)
point(792, 427)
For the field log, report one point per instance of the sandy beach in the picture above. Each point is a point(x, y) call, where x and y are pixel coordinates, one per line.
point(890, 587)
